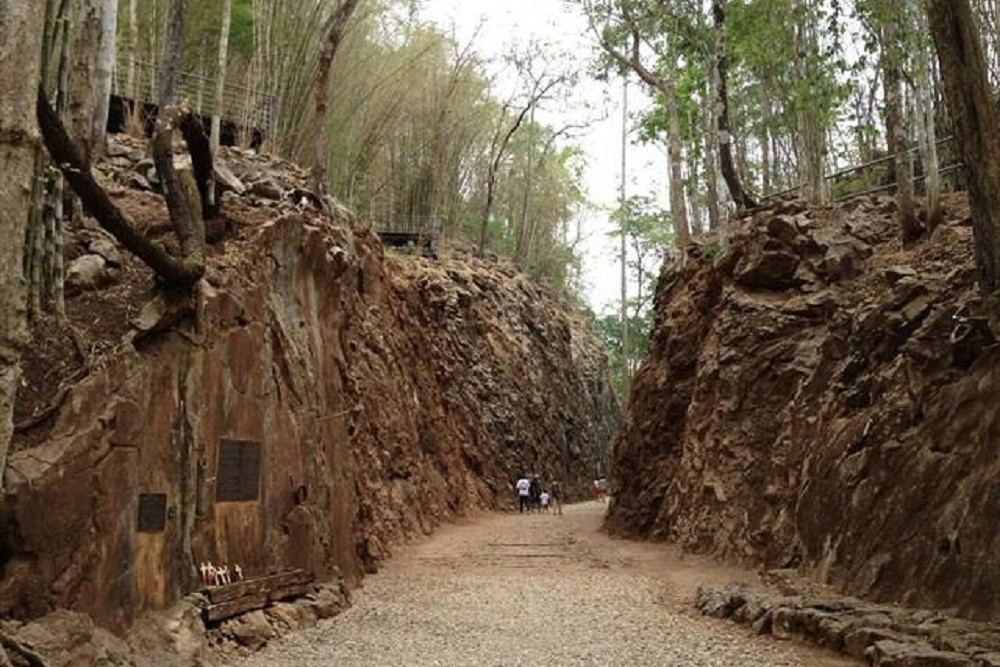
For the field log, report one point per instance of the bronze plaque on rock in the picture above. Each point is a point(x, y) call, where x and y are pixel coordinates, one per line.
point(152, 512)
point(238, 473)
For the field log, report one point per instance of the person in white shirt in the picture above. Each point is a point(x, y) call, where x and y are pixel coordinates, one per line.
point(544, 498)
point(523, 494)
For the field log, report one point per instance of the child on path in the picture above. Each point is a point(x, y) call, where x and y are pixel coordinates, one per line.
point(544, 498)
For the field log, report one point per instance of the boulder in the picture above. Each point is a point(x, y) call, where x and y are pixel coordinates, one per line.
point(844, 259)
point(89, 272)
point(329, 600)
point(69, 639)
point(889, 653)
point(251, 630)
point(768, 269)
point(267, 189)
point(108, 249)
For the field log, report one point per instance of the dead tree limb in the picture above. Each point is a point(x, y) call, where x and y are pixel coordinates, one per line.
point(185, 208)
point(181, 273)
point(190, 125)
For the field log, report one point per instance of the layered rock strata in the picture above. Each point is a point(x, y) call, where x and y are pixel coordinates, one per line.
point(817, 396)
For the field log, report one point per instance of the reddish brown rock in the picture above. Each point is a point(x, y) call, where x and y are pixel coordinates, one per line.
point(850, 431)
point(314, 405)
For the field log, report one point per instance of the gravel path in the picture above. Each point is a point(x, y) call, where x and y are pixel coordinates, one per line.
point(533, 591)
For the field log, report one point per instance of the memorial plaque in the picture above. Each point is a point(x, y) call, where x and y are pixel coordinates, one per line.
point(238, 473)
point(152, 512)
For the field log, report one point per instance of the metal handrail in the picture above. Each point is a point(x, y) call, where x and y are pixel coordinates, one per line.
point(242, 105)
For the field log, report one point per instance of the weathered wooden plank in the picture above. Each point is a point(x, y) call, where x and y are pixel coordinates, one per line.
point(289, 592)
point(220, 612)
point(221, 594)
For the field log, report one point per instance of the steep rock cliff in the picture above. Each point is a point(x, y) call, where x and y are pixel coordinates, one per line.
point(318, 402)
point(817, 396)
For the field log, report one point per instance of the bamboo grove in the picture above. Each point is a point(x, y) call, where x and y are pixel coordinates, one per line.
point(412, 129)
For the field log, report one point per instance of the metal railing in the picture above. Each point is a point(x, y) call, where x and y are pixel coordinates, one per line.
point(843, 174)
point(243, 106)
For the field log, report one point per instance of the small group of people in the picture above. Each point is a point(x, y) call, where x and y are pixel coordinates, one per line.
point(532, 497)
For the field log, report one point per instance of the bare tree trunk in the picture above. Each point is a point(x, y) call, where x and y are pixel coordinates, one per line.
point(711, 154)
point(220, 79)
point(20, 48)
point(172, 53)
point(766, 182)
point(927, 131)
point(86, 36)
point(626, 346)
point(521, 247)
point(740, 195)
point(895, 112)
point(712, 186)
point(335, 28)
point(103, 73)
point(675, 156)
point(133, 121)
point(810, 137)
point(977, 125)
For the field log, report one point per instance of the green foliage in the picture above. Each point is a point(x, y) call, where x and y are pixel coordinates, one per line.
point(608, 327)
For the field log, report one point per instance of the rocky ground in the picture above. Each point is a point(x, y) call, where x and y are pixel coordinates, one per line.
point(506, 590)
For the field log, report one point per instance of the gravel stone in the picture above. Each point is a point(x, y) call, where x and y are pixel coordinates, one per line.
point(528, 591)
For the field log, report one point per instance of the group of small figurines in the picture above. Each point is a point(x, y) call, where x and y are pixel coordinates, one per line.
point(219, 575)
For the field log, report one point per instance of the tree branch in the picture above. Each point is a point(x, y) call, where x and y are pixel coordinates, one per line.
point(97, 203)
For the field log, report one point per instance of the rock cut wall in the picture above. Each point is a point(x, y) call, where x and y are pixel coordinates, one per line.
point(817, 397)
point(382, 395)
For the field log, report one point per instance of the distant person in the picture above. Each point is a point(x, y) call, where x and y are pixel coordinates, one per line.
point(523, 487)
point(596, 492)
point(555, 497)
point(535, 492)
point(544, 500)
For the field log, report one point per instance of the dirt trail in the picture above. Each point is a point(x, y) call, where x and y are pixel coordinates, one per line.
point(539, 590)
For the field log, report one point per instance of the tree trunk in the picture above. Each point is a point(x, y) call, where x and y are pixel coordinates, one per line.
point(133, 55)
point(172, 46)
point(977, 125)
point(711, 154)
point(335, 28)
point(675, 156)
point(927, 131)
point(220, 79)
point(103, 73)
point(86, 36)
point(623, 259)
point(739, 194)
point(810, 133)
point(766, 159)
point(896, 116)
point(20, 50)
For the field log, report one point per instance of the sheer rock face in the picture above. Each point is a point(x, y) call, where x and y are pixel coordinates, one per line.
point(846, 424)
point(387, 394)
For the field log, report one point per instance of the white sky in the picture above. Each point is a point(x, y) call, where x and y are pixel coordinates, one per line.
point(504, 24)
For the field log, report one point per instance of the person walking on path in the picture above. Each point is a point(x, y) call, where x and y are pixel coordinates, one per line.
point(555, 496)
point(523, 493)
point(535, 491)
point(544, 499)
